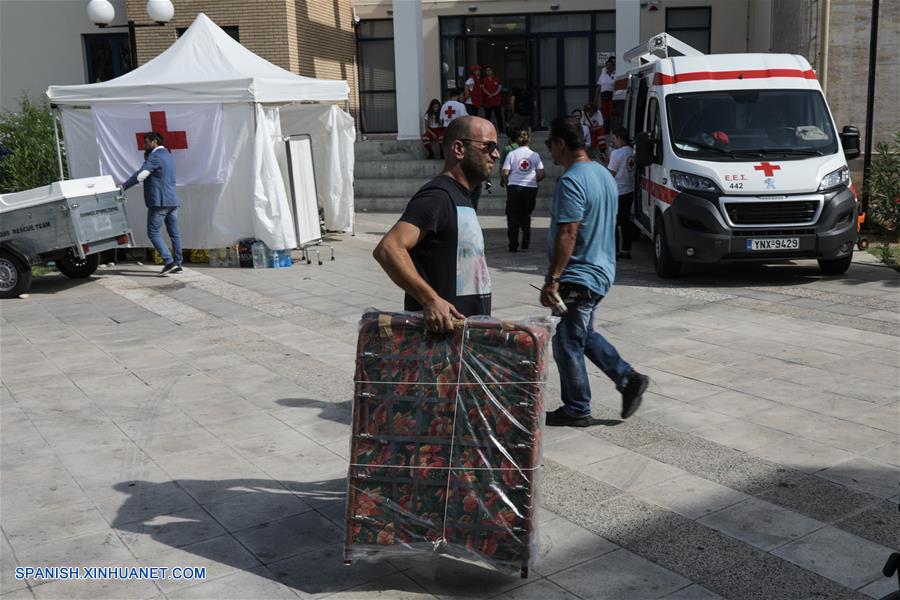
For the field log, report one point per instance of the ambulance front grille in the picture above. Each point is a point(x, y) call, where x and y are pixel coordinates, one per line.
point(762, 213)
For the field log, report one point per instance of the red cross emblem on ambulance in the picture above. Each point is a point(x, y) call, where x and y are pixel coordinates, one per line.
point(524, 165)
point(767, 169)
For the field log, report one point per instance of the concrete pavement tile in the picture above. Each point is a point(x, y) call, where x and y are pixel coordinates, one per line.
point(305, 465)
point(633, 433)
point(101, 549)
point(29, 529)
point(690, 496)
point(149, 423)
point(261, 505)
point(150, 538)
point(23, 593)
point(245, 427)
point(579, 450)
point(218, 556)
point(128, 501)
point(91, 590)
point(620, 575)
point(888, 454)
point(761, 524)
point(397, 586)
point(687, 419)
point(251, 583)
point(801, 454)
point(736, 404)
point(678, 387)
point(862, 474)
point(563, 544)
point(197, 440)
point(21, 498)
point(740, 435)
point(792, 420)
point(837, 555)
point(878, 523)
point(630, 471)
point(850, 436)
point(693, 592)
point(769, 577)
point(537, 590)
point(880, 588)
point(448, 578)
point(273, 444)
point(693, 551)
point(299, 534)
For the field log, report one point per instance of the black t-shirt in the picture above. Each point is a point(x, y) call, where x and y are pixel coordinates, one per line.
point(451, 255)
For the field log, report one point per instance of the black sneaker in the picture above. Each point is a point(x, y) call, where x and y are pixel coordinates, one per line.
point(559, 418)
point(177, 269)
point(168, 268)
point(633, 393)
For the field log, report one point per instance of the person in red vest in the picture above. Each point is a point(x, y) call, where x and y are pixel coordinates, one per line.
point(492, 97)
point(472, 94)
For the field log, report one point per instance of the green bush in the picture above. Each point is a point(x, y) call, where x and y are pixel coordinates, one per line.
point(884, 186)
point(27, 147)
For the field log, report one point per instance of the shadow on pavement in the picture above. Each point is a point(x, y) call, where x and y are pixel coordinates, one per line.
point(338, 412)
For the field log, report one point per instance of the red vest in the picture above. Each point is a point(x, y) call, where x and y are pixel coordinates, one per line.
point(476, 92)
point(491, 84)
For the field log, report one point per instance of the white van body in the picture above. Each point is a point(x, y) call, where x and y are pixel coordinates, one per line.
point(738, 158)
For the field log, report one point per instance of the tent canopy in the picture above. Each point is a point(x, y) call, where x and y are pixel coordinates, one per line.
point(203, 65)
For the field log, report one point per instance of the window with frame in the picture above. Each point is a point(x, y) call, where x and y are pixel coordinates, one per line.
point(106, 56)
point(691, 26)
point(377, 81)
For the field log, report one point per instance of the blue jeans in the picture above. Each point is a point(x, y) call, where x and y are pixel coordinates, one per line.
point(156, 216)
point(575, 338)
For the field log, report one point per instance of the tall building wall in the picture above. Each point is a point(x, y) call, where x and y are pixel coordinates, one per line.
point(798, 29)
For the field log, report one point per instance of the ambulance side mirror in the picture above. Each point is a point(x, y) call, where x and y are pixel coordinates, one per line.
point(643, 150)
point(850, 142)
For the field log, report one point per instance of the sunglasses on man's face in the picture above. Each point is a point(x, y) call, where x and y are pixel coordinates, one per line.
point(488, 147)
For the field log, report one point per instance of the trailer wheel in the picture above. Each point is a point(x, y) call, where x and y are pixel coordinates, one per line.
point(78, 268)
point(665, 264)
point(15, 275)
point(837, 266)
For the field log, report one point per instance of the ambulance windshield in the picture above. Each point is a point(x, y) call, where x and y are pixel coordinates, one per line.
point(741, 124)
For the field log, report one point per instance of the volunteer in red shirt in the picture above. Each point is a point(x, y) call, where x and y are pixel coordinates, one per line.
point(472, 94)
point(492, 97)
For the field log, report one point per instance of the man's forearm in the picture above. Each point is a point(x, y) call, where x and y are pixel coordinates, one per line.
point(564, 245)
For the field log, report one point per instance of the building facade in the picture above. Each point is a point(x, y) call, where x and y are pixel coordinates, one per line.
point(52, 42)
point(554, 49)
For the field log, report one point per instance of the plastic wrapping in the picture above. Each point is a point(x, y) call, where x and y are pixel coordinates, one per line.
point(446, 444)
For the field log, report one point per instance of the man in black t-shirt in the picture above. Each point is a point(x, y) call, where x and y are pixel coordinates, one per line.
point(435, 252)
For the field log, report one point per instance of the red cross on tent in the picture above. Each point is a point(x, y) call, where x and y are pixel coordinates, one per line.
point(767, 169)
point(523, 166)
point(173, 140)
point(450, 112)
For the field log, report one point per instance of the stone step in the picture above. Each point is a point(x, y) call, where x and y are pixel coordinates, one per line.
point(418, 169)
point(392, 188)
point(492, 203)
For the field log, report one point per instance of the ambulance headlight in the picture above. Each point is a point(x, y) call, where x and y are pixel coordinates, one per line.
point(835, 179)
point(687, 181)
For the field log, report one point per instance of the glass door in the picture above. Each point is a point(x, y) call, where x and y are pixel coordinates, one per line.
point(561, 71)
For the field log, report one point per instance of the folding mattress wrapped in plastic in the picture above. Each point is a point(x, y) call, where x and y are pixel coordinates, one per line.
point(446, 444)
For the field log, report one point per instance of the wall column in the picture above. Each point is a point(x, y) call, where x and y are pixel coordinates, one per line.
point(409, 68)
point(628, 30)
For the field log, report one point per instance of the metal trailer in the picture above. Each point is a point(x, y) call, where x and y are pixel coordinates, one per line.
point(68, 222)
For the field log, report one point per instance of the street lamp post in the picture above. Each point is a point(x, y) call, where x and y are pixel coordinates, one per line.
point(102, 13)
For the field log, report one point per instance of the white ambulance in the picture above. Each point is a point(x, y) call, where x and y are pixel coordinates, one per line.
point(736, 158)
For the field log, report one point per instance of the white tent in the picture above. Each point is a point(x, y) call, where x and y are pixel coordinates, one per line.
point(244, 194)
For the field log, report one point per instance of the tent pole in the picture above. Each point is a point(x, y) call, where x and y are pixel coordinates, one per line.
point(54, 113)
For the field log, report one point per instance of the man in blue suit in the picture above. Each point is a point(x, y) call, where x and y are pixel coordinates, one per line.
point(158, 176)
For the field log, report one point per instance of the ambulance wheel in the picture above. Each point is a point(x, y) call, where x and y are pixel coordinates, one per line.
point(666, 266)
point(862, 244)
point(837, 266)
point(15, 275)
point(74, 267)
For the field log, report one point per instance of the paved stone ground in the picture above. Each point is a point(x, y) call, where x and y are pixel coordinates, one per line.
point(202, 420)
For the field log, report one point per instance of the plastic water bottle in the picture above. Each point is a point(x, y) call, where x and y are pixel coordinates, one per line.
point(258, 249)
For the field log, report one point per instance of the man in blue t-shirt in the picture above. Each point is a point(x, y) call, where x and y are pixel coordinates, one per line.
point(582, 250)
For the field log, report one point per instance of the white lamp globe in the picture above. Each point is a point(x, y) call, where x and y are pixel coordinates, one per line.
point(160, 11)
point(101, 12)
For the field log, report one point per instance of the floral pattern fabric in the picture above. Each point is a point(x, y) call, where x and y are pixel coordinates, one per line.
point(446, 439)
